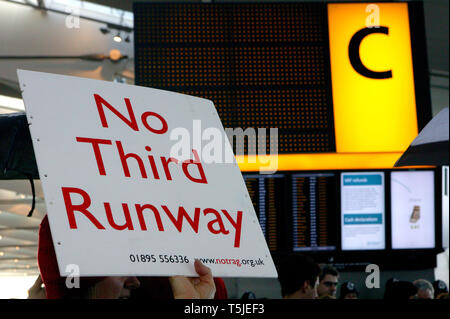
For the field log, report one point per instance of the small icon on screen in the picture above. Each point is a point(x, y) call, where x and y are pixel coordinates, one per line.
point(415, 216)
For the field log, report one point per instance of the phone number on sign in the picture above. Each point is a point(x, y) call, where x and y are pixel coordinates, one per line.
point(168, 259)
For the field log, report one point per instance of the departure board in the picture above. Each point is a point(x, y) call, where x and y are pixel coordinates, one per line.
point(297, 212)
point(268, 193)
point(314, 212)
point(264, 65)
point(308, 212)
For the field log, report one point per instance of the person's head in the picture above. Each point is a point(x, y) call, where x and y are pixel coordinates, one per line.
point(440, 287)
point(328, 281)
point(443, 296)
point(425, 289)
point(99, 288)
point(114, 288)
point(398, 290)
point(160, 288)
point(89, 287)
point(299, 277)
point(348, 291)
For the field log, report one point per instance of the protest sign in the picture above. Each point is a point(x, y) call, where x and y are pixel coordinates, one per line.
point(120, 200)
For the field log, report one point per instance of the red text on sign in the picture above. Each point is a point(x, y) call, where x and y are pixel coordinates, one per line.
point(215, 225)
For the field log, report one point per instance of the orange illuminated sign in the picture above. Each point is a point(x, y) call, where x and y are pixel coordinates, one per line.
point(372, 77)
point(374, 101)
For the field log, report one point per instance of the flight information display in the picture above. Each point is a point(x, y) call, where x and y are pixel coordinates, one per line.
point(331, 212)
point(267, 193)
point(313, 212)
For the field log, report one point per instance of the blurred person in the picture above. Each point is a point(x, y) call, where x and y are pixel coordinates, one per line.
point(161, 288)
point(112, 287)
point(299, 277)
point(399, 290)
point(326, 297)
point(443, 296)
point(440, 287)
point(248, 295)
point(425, 289)
point(328, 281)
point(348, 291)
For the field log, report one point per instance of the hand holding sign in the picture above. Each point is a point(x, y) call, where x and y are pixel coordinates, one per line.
point(201, 287)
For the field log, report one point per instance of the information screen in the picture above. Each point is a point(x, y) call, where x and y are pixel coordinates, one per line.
point(336, 211)
point(267, 194)
point(413, 209)
point(314, 212)
point(297, 211)
point(362, 211)
point(445, 206)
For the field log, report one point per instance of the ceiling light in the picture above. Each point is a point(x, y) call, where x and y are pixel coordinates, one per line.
point(11, 103)
point(2, 253)
point(1, 237)
point(117, 38)
point(105, 30)
point(17, 248)
point(16, 260)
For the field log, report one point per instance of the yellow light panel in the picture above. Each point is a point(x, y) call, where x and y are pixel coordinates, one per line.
point(322, 161)
point(371, 114)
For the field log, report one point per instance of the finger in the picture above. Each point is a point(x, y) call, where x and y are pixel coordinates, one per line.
point(182, 288)
point(39, 280)
point(37, 284)
point(201, 269)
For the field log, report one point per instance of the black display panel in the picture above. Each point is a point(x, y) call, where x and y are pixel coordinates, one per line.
point(296, 211)
point(300, 212)
point(264, 65)
point(267, 193)
point(314, 212)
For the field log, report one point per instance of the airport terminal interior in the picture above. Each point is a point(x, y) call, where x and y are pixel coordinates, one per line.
point(348, 86)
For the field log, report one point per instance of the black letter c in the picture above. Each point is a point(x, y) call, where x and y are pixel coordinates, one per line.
point(355, 58)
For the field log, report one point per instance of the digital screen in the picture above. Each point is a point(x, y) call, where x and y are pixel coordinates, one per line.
point(267, 194)
point(362, 211)
point(313, 212)
point(412, 209)
point(445, 206)
point(310, 211)
point(264, 65)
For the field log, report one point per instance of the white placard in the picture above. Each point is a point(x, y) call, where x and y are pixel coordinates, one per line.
point(117, 203)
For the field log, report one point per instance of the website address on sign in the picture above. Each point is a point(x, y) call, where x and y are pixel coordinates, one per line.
point(176, 259)
point(236, 262)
